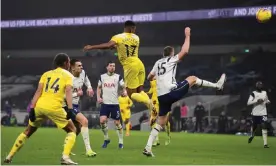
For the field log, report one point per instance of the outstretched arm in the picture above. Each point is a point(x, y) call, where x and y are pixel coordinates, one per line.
point(107, 45)
point(186, 46)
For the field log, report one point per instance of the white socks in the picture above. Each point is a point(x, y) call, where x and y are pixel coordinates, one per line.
point(85, 136)
point(204, 83)
point(153, 134)
point(120, 133)
point(264, 133)
point(105, 131)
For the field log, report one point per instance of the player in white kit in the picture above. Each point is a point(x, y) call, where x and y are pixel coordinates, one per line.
point(80, 121)
point(168, 90)
point(258, 99)
point(107, 95)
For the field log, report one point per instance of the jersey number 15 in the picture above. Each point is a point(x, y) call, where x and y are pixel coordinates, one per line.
point(54, 86)
point(161, 69)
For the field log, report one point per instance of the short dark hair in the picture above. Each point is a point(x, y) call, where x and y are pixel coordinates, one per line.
point(109, 63)
point(73, 61)
point(60, 59)
point(130, 23)
point(167, 51)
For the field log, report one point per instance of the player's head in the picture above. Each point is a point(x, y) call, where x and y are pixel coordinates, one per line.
point(168, 51)
point(62, 60)
point(124, 94)
point(110, 67)
point(259, 86)
point(130, 26)
point(76, 66)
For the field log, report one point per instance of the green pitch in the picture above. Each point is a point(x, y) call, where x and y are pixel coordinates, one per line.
point(45, 147)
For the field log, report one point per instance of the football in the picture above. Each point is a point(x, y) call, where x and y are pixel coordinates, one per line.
point(263, 15)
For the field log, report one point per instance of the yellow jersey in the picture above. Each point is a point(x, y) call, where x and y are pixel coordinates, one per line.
point(54, 83)
point(125, 102)
point(127, 45)
point(153, 90)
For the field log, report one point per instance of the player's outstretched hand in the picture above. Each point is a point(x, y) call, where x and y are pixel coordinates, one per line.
point(86, 48)
point(187, 31)
point(90, 92)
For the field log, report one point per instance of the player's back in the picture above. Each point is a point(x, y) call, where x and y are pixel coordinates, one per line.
point(165, 70)
point(53, 93)
point(127, 47)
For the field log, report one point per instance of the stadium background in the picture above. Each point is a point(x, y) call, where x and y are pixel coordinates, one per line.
point(241, 47)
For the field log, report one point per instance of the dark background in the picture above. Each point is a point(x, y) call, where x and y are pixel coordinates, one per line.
point(222, 31)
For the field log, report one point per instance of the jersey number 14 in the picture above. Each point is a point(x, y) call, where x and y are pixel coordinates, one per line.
point(54, 86)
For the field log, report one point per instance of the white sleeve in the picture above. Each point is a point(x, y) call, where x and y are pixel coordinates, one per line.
point(86, 80)
point(252, 99)
point(121, 81)
point(267, 101)
point(154, 69)
point(100, 82)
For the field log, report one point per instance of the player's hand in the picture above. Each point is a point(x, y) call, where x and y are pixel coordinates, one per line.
point(90, 92)
point(86, 48)
point(187, 31)
point(99, 100)
point(122, 111)
point(260, 101)
point(128, 107)
point(79, 92)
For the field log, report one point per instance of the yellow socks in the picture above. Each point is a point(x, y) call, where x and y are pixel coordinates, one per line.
point(168, 128)
point(127, 128)
point(19, 142)
point(141, 97)
point(69, 143)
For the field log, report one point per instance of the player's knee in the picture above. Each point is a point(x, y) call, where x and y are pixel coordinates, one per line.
point(70, 127)
point(117, 122)
point(191, 80)
point(126, 121)
point(84, 122)
point(264, 125)
point(29, 131)
point(103, 120)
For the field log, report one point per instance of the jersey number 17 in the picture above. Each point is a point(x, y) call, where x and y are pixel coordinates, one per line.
point(130, 50)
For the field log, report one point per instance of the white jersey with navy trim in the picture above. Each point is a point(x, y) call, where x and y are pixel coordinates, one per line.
point(258, 109)
point(164, 70)
point(78, 82)
point(110, 86)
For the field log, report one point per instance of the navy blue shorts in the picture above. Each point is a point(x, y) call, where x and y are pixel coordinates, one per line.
point(257, 120)
point(111, 111)
point(166, 100)
point(75, 111)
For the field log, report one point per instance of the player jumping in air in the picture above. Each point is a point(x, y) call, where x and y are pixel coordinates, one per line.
point(47, 103)
point(109, 85)
point(127, 44)
point(154, 113)
point(259, 99)
point(168, 90)
point(125, 104)
point(78, 118)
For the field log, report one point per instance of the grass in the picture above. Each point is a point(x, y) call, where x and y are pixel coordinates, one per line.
point(45, 147)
